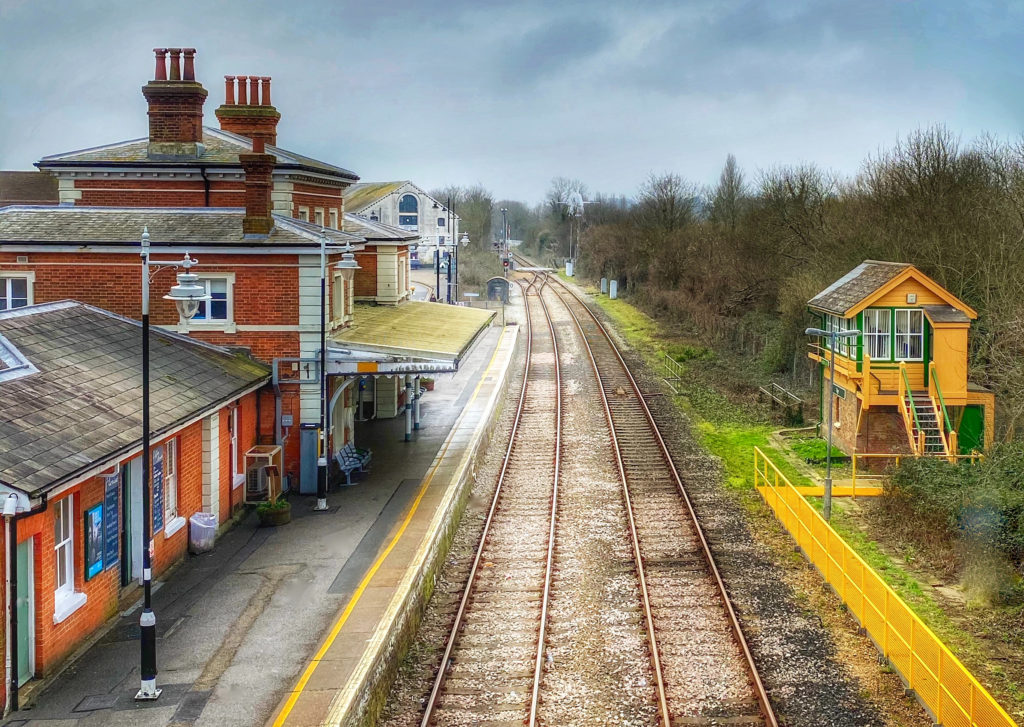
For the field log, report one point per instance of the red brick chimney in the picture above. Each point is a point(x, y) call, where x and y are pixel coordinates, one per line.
point(175, 106)
point(259, 170)
point(252, 115)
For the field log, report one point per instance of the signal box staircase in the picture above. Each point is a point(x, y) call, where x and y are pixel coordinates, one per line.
point(924, 416)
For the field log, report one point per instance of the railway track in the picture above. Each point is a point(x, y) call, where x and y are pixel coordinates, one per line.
point(617, 580)
point(493, 657)
point(708, 670)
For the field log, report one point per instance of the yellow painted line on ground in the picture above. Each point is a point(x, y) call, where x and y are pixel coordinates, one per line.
point(365, 582)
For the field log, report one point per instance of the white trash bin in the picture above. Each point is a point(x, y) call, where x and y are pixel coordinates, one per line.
point(202, 530)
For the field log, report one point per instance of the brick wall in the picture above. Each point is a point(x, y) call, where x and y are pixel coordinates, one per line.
point(365, 282)
point(316, 196)
point(265, 291)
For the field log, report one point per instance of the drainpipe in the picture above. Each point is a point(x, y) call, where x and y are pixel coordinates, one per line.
point(206, 186)
point(416, 399)
point(408, 408)
point(12, 594)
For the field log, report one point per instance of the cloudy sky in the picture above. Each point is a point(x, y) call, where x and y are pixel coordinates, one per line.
point(511, 94)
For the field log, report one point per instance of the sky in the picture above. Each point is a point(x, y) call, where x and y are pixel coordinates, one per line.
point(512, 94)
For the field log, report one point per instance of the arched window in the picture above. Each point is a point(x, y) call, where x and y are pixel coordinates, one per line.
point(408, 212)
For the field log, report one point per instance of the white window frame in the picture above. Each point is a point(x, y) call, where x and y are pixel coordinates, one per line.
point(338, 299)
point(227, 324)
point(171, 479)
point(304, 213)
point(318, 216)
point(237, 470)
point(5, 292)
point(334, 219)
point(65, 599)
point(871, 338)
point(896, 335)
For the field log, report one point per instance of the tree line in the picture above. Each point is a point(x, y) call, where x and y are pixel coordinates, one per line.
point(748, 252)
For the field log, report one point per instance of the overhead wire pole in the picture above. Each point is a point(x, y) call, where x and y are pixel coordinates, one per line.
point(451, 221)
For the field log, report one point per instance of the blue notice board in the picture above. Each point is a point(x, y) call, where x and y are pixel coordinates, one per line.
point(111, 514)
point(158, 489)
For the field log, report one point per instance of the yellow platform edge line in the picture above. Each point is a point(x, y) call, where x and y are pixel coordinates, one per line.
point(307, 673)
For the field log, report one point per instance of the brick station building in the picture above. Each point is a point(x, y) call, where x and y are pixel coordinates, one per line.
point(71, 465)
point(255, 216)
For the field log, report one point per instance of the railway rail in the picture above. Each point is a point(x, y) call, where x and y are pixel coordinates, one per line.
point(698, 669)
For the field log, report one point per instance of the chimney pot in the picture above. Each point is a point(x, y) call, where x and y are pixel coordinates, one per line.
point(175, 63)
point(243, 99)
point(190, 68)
point(229, 90)
point(161, 64)
point(254, 90)
point(265, 91)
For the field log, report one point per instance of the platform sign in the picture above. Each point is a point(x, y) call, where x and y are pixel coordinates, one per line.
point(111, 513)
point(158, 489)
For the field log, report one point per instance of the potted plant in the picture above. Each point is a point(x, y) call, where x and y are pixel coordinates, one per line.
point(274, 512)
point(427, 383)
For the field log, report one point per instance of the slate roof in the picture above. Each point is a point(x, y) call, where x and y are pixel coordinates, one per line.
point(199, 226)
point(856, 285)
point(360, 196)
point(221, 149)
point(28, 188)
point(84, 405)
point(945, 314)
point(376, 231)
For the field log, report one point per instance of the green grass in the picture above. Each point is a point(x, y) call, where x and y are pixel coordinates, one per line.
point(813, 449)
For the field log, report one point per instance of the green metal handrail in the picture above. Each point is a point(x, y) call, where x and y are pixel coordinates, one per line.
point(910, 393)
point(942, 401)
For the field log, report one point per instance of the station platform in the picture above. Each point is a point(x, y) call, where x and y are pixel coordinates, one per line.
point(273, 624)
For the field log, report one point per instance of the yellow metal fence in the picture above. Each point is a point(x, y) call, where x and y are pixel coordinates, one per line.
point(941, 682)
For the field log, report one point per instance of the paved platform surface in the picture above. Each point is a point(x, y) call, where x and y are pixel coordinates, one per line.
point(238, 626)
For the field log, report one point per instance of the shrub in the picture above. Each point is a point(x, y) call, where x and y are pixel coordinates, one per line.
point(980, 506)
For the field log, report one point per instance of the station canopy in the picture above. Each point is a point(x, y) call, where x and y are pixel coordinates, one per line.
point(413, 337)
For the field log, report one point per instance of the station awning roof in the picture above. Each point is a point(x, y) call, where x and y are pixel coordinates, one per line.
point(412, 337)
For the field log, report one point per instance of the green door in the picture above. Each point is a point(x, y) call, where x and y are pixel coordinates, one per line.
point(971, 432)
point(26, 596)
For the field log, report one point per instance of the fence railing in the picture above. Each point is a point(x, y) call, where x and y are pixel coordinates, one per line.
point(942, 684)
point(673, 373)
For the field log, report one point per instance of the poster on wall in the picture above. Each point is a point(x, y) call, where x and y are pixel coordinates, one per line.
point(158, 489)
point(111, 523)
point(93, 541)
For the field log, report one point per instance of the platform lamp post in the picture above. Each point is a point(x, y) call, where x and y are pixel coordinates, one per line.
point(187, 295)
point(464, 241)
point(348, 267)
point(832, 337)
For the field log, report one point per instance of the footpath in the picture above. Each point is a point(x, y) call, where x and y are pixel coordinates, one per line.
point(236, 628)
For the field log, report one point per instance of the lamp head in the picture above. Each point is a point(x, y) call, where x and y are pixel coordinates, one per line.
point(10, 505)
point(348, 266)
point(816, 332)
point(188, 293)
point(464, 239)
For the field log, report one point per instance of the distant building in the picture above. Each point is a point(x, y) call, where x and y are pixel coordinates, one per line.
point(70, 457)
point(902, 384)
point(403, 204)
